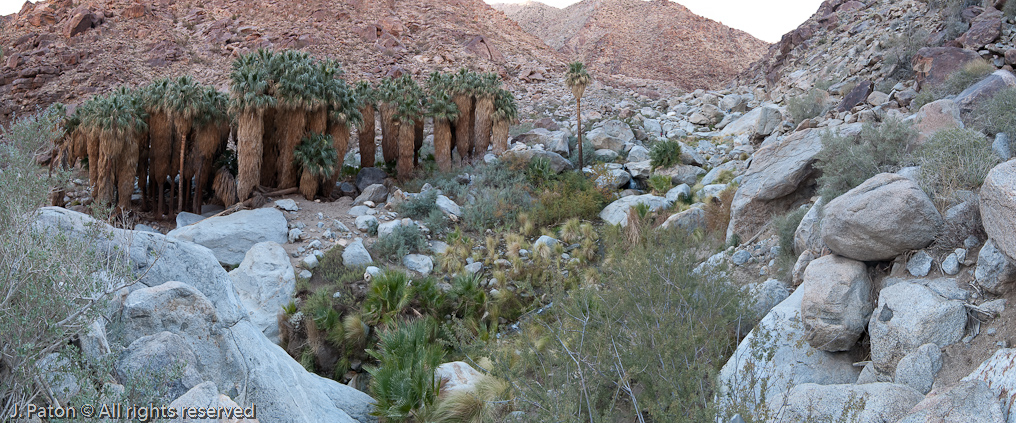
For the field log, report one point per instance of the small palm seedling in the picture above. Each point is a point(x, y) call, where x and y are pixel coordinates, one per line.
point(577, 79)
point(403, 381)
point(387, 297)
point(317, 159)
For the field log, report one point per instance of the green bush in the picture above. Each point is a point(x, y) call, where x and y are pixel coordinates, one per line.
point(954, 159)
point(660, 183)
point(649, 344)
point(419, 206)
point(404, 239)
point(997, 114)
point(403, 381)
point(786, 225)
point(569, 195)
point(665, 154)
point(807, 105)
point(901, 48)
point(954, 84)
point(846, 162)
point(387, 297)
point(498, 195)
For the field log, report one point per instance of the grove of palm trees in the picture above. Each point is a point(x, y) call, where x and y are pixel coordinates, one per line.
point(285, 124)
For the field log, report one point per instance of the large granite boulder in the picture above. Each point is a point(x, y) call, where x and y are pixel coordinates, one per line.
point(908, 316)
point(967, 401)
point(985, 89)
point(616, 213)
point(265, 281)
point(880, 219)
point(999, 374)
point(558, 164)
point(868, 403)
point(998, 207)
point(933, 65)
point(933, 117)
point(837, 302)
point(230, 237)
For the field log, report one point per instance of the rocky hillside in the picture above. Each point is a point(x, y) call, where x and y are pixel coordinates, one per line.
point(650, 39)
point(64, 50)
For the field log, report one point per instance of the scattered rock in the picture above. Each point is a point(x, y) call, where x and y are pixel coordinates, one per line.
point(920, 264)
point(934, 117)
point(856, 96)
point(364, 223)
point(995, 271)
point(678, 193)
point(688, 220)
point(230, 237)
point(376, 193)
point(558, 164)
point(740, 257)
point(616, 213)
point(356, 255)
point(418, 263)
point(448, 207)
point(287, 204)
point(984, 29)
point(457, 376)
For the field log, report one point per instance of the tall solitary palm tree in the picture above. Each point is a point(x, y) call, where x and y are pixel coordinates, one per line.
point(249, 85)
point(365, 97)
point(182, 102)
point(577, 79)
point(505, 113)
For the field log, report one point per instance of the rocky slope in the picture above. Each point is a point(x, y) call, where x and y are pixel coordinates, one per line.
point(63, 50)
point(657, 39)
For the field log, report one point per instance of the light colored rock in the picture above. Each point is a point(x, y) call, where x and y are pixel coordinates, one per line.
point(620, 130)
point(206, 395)
point(356, 255)
point(908, 316)
point(640, 170)
point(386, 228)
point(837, 302)
point(474, 268)
point(740, 257)
point(1001, 146)
point(638, 153)
point(995, 271)
point(558, 164)
point(967, 401)
point(549, 241)
point(715, 172)
point(617, 212)
point(998, 207)
point(310, 262)
point(287, 204)
point(919, 368)
point(934, 117)
point(877, 98)
point(1000, 376)
point(786, 359)
point(229, 237)
point(361, 210)
point(606, 155)
point(951, 264)
point(769, 119)
point(186, 218)
point(711, 191)
point(801, 265)
point(678, 193)
point(808, 235)
point(766, 295)
point(558, 143)
point(376, 193)
point(880, 219)
point(418, 263)
point(448, 207)
point(159, 355)
point(457, 376)
point(601, 140)
point(985, 89)
point(614, 179)
point(920, 264)
point(294, 235)
point(363, 223)
point(683, 174)
point(689, 220)
point(265, 281)
point(868, 403)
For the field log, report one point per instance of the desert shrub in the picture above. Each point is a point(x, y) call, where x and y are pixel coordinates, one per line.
point(419, 206)
point(404, 239)
point(498, 195)
point(490, 402)
point(954, 84)
point(954, 159)
point(846, 162)
point(566, 196)
point(660, 183)
point(807, 105)
point(331, 270)
point(718, 209)
point(901, 48)
point(997, 114)
point(648, 345)
point(388, 296)
point(786, 225)
point(665, 154)
point(403, 381)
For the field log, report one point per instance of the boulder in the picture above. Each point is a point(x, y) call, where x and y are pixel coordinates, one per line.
point(638, 153)
point(880, 219)
point(999, 374)
point(206, 395)
point(984, 29)
point(640, 170)
point(287, 204)
point(82, 21)
point(689, 220)
point(619, 130)
point(678, 193)
point(230, 237)
point(967, 401)
point(185, 218)
point(998, 207)
point(535, 136)
point(158, 356)
point(995, 271)
point(558, 143)
point(856, 96)
point(683, 174)
point(457, 376)
point(766, 295)
point(616, 213)
point(447, 206)
point(908, 316)
point(265, 281)
point(418, 263)
point(356, 255)
point(364, 223)
point(808, 235)
point(369, 176)
point(919, 368)
point(777, 171)
point(836, 304)
point(603, 141)
point(376, 193)
point(558, 164)
point(868, 403)
point(775, 356)
point(933, 65)
point(613, 179)
point(933, 117)
point(920, 264)
point(984, 89)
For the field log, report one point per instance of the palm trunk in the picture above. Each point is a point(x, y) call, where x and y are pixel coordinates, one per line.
point(481, 130)
point(443, 144)
point(110, 144)
point(269, 149)
point(248, 149)
point(224, 187)
point(308, 185)
point(365, 135)
point(127, 164)
point(340, 141)
point(463, 125)
point(389, 133)
point(404, 167)
point(292, 126)
point(93, 159)
point(144, 151)
point(183, 127)
point(160, 152)
point(207, 142)
point(418, 128)
point(500, 136)
point(578, 111)
point(317, 120)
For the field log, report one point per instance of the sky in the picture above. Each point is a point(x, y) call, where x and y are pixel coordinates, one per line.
point(767, 20)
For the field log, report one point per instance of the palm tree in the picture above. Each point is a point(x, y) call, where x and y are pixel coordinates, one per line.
point(293, 77)
point(365, 96)
point(343, 114)
point(118, 119)
point(316, 158)
point(406, 116)
point(505, 113)
point(89, 142)
point(182, 102)
point(248, 100)
point(577, 79)
point(462, 94)
point(444, 111)
point(388, 105)
point(486, 88)
point(208, 141)
point(160, 134)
